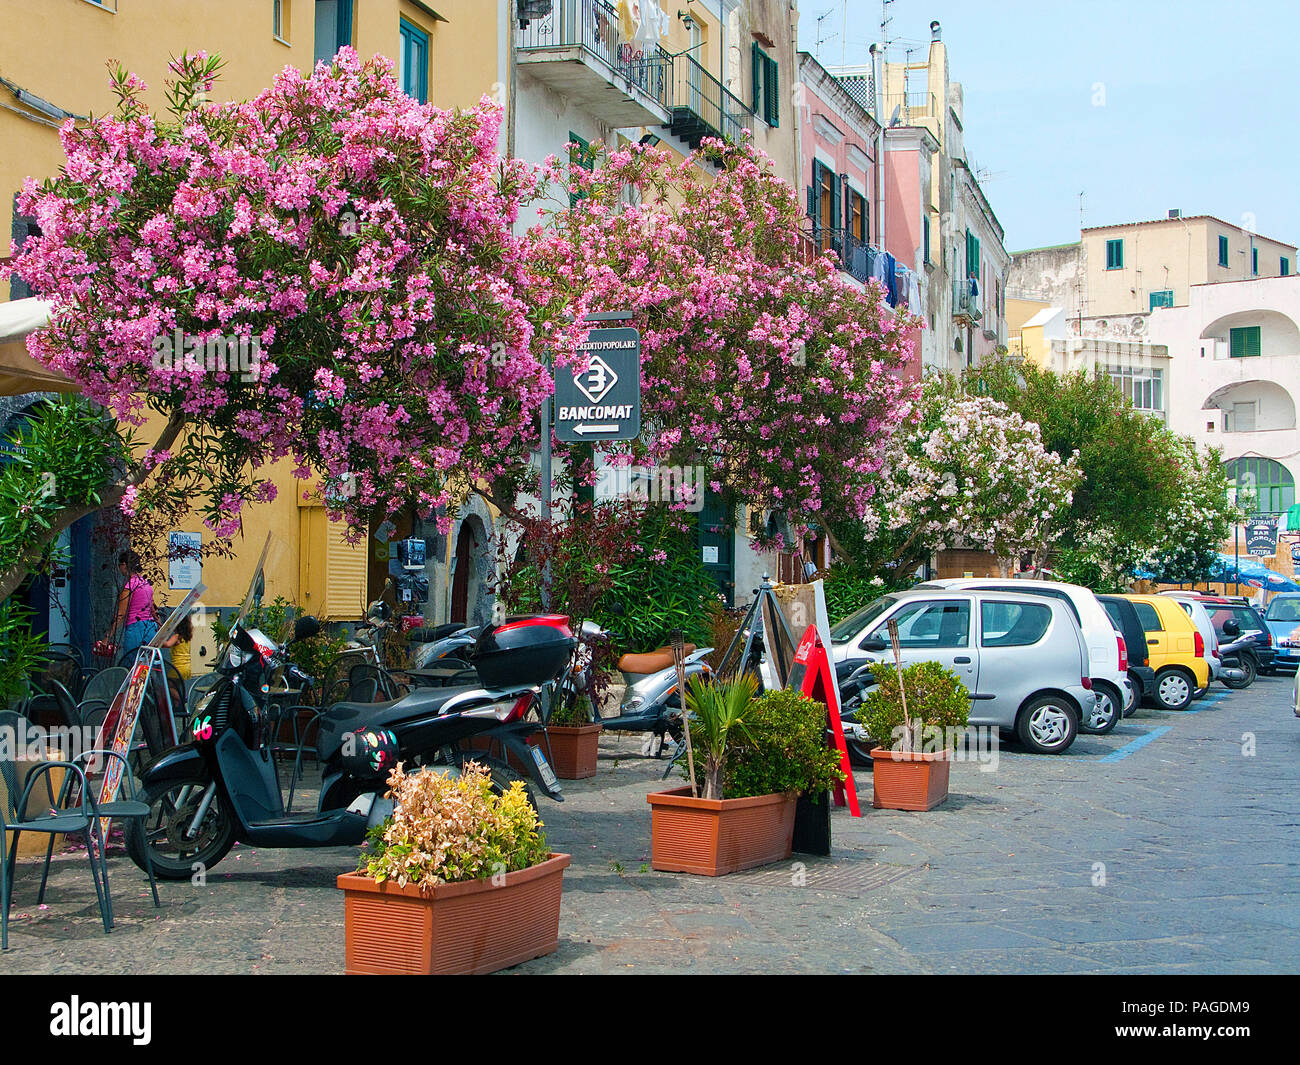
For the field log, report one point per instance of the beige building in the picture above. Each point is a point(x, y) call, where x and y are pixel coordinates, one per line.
point(1133, 268)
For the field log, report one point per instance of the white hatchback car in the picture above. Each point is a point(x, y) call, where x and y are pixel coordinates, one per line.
point(1105, 645)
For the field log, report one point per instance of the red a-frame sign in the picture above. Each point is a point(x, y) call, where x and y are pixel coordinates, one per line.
point(813, 675)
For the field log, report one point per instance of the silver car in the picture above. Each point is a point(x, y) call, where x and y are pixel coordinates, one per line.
point(1022, 658)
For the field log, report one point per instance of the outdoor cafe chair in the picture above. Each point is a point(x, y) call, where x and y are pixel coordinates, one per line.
point(81, 819)
point(104, 685)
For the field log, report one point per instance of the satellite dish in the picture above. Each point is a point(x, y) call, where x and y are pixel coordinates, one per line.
point(1138, 324)
point(893, 121)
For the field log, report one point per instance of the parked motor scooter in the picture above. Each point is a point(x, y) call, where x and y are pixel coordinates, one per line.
point(1240, 664)
point(223, 786)
point(650, 701)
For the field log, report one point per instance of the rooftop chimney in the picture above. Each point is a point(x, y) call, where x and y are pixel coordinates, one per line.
point(934, 31)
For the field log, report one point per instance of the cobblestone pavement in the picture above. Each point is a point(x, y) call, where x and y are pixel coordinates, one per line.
point(1163, 847)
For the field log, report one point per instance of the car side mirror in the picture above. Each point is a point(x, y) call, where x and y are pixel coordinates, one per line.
point(873, 643)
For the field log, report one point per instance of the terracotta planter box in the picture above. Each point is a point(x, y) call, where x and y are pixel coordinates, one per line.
point(456, 929)
point(573, 750)
point(714, 837)
point(909, 780)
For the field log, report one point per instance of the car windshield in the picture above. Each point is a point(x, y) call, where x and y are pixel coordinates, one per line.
point(1287, 609)
point(860, 620)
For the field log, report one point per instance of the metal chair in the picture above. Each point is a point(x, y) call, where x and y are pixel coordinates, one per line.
point(104, 685)
point(83, 819)
point(129, 809)
point(54, 708)
point(59, 666)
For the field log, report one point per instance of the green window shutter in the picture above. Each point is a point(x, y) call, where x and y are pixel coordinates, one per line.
point(1285, 267)
point(1223, 251)
point(757, 56)
point(1164, 298)
point(773, 94)
point(972, 254)
point(837, 217)
point(1252, 341)
point(1254, 261)
point(1244, 343)
point(926, 237)
point(1115, 254)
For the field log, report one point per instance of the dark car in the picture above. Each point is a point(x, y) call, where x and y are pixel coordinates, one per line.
point(1248, 619)
point(1123, 615)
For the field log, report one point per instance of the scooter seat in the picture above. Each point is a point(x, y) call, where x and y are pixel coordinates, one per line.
point(342, 718)
point(651, 661)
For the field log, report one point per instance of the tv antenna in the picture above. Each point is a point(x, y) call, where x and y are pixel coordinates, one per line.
point(823, 38)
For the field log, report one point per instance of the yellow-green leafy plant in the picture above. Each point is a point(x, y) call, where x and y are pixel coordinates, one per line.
point(446, 828)
point(935, 696)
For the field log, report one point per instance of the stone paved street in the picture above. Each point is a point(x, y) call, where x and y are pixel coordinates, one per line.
point(1200, 847)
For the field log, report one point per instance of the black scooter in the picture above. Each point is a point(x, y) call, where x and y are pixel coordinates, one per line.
point(223, 786)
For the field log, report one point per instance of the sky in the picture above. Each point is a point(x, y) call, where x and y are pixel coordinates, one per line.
point(1142, 106)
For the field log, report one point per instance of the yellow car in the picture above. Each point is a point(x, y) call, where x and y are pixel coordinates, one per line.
point(1175, 648)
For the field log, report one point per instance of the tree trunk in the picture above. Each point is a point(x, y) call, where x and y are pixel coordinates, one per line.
point(712, 780)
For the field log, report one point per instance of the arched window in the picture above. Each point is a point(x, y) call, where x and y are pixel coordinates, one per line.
point(1268, 483)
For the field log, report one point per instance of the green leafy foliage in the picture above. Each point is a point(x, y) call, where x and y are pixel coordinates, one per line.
point(784, 749)
point(935, 694)
point(720, 711)
point(21, 653)
point(64, 455)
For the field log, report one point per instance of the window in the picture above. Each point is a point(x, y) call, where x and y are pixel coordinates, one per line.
point(1114, 254)
point(927, 625)
point(1013, 624)
point(767, 88)
point(825, 205)
point(1284, 266)
point(855, 215)
point(1223, 251)
point(972, 254)
point(1266, 485)
point(1254, 262)
point(1243, 343)
point(1163, 298)
point(278, 27)
point(1142, 387)
point(1240, 419)
point(581, 155)
point(1149, 618)
point(926, 241)
point(413, 67)
point(333, 28)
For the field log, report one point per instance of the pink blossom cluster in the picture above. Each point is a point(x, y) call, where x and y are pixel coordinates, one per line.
point(364, 239)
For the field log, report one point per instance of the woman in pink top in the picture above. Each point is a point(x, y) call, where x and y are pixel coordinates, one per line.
point(135, 617)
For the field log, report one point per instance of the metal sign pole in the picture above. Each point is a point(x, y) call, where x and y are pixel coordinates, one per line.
point(546, 500)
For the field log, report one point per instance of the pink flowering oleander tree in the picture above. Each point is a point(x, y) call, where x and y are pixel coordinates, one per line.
point(778, 378)
point(326, 273)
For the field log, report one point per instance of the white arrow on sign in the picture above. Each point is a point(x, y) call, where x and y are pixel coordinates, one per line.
point(584, 429)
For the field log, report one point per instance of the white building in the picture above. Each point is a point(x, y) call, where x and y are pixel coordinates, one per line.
point(1234, 353)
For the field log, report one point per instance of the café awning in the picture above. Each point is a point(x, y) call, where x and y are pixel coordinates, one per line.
point(19, 372)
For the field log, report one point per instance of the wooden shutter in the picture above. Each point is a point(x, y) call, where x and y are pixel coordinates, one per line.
point(756, 54)
point(837, 220)
point(773, 83)
point(1252, 341)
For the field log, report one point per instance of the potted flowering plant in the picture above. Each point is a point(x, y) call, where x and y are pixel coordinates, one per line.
point(458, 880)
point(574, 738)
point(914, 725)
point(749, 772)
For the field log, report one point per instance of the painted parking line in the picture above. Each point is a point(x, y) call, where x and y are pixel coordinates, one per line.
point(1134, 745)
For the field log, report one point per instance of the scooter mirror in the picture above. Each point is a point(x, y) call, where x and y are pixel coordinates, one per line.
point(305, 628)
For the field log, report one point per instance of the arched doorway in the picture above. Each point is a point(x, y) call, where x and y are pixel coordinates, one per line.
point(468, 564)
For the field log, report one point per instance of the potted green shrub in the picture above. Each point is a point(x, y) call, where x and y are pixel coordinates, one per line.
point(914, 727)
point(749, 775)
point(458, 880)
point(574, 738)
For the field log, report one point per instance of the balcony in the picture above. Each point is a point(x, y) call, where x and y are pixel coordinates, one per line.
point(965, 307)
point(578, 50)
point(701, 105)
point(907, 109)
point(849, 250)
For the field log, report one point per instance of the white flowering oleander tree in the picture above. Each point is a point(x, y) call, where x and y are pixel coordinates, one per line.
point(969, 472)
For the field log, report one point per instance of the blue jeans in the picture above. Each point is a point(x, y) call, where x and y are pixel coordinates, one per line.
point(137, 634)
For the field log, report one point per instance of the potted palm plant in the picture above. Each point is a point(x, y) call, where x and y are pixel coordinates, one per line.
point(458, 880)
point(914, 716)
point(739, 811)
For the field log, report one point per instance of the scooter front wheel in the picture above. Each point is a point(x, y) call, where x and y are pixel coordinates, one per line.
point(174, 852)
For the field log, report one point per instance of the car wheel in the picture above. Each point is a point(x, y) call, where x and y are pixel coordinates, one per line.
point(1138, 696)
point(1174, 689)
point(1048, 724)
point(1106, 713)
